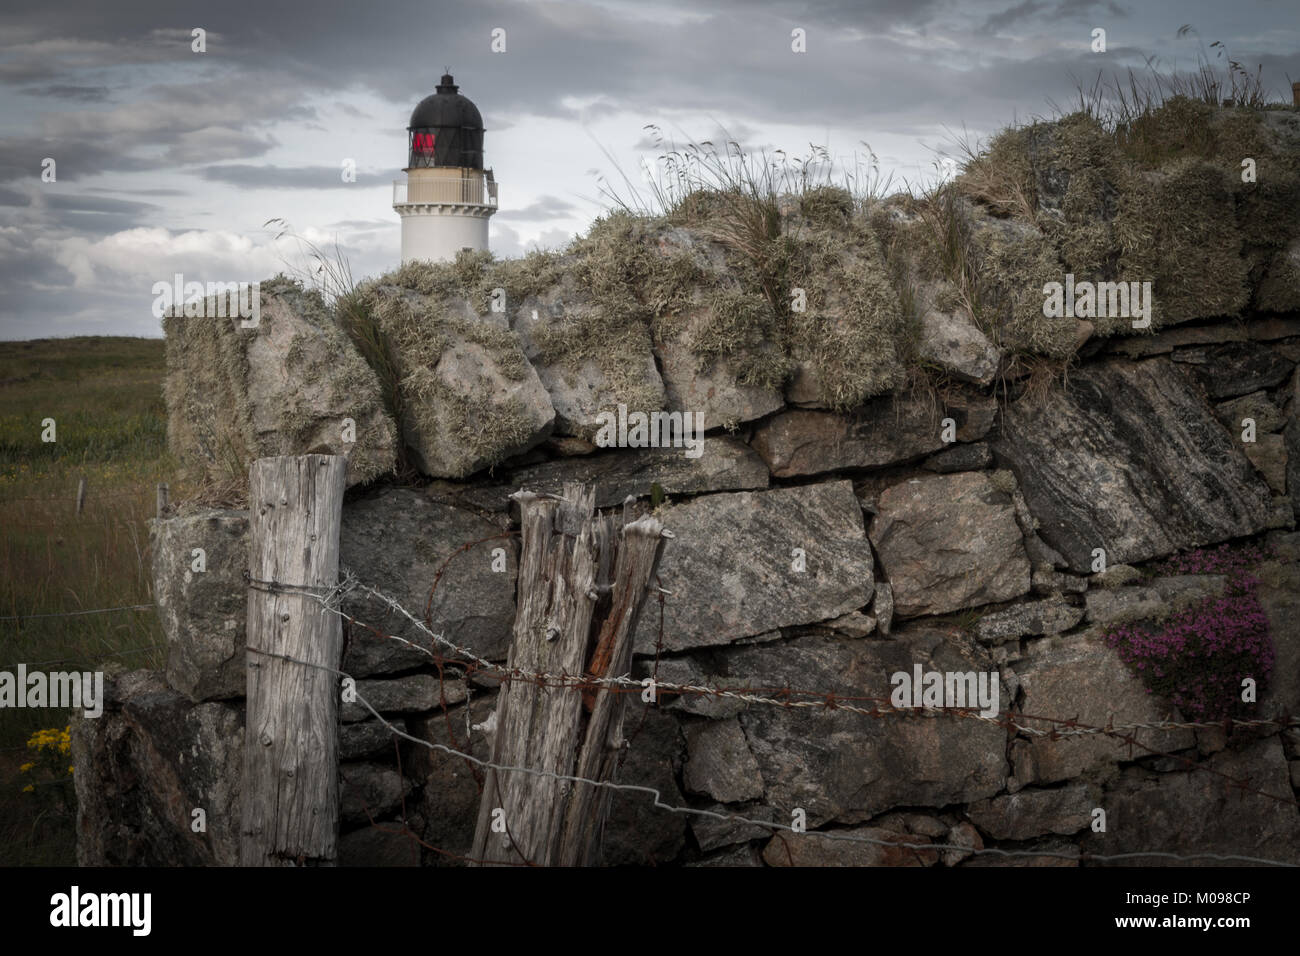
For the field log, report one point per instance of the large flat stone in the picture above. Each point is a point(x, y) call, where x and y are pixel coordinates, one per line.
point(1079, 678)
point(1034, 812)
point(844, 766)
point(732, 566)
point(1196, 811)
point(948, 542)
point(1130, 458)
point(396, 542)
point(724, 464)
point(886, 431)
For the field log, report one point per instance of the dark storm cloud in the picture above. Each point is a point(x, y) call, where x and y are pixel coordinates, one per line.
point(248, 176)
point(84, 94)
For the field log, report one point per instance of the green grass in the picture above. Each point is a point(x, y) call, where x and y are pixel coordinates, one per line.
point(105, 395)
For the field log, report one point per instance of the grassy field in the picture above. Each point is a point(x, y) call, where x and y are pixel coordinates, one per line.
point(105, 397)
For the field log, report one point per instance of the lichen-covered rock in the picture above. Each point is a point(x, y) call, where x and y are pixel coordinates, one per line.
point(1256, 407)
point(293, 383)
point(947, 542)
point(468, 395)
point(1129, 458)
point(723, 464)
point(1050, 616)
point(960, 458)
point(745, 563)
point(954, 342)
point(396, 541)
point(1235, 368)
point(202, 600)
point(588, 360)
point(144, 764)
point(401, 695)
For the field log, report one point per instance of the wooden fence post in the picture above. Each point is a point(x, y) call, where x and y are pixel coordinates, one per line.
point(81, 495)
point(290, 786)
point(582, 584)
point(162, 498)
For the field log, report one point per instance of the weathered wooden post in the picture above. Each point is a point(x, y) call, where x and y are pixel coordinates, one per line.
point(582, 584)
point(81, 495)
point(162, 498)
point(290, 786)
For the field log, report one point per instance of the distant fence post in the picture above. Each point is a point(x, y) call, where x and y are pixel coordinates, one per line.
point(162, 498)
point(290, 785)
point(81, 495)
point(579, 574)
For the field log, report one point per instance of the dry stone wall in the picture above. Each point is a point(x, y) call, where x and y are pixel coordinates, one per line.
point(986, 526)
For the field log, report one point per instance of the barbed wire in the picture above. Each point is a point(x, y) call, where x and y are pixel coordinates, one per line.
point(772, 825)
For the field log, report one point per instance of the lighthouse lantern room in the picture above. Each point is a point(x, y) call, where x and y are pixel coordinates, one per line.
point(447, 196)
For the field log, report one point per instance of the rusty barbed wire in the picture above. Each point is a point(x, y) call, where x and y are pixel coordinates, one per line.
point(772, 825)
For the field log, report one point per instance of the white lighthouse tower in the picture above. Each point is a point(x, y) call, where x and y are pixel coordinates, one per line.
point(447, 197)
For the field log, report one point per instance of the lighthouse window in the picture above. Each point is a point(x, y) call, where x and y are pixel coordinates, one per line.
point(423, 142)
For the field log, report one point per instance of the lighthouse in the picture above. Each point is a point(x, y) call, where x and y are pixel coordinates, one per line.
point(447, 196)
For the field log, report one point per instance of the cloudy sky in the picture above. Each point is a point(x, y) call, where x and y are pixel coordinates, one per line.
point(169, 160)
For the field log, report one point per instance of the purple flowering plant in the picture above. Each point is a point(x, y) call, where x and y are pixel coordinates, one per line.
point(1198, 657)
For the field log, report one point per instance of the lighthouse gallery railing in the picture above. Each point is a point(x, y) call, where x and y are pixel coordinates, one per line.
point(478, 190)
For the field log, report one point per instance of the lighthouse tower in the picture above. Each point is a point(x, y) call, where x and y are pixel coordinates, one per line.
point(447, 197)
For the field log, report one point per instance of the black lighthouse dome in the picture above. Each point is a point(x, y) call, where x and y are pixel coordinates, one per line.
point(446, 130)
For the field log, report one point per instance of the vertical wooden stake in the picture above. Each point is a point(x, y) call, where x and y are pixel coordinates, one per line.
point(290, 786)
point(582, 583)
point(81, 495)
point(162, 498)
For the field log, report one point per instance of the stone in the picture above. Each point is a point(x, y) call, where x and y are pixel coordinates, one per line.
point(285, 387)
point(1123, 605)
point(1292, 436)
point(713, 390)
point(368, 738)
point(1051, 616)
point(203, 613)
point(1078, 677)
point(853, 624)
point(388, 844)
point(637, 833)
point(719, 763)
point(1279, 595)
point(397, 541)
point(949, 542)
point(1192, 811)
point(370, 791)
point(580, 377)
point(1181, 590)
point(1235, 368)
point(688, 672)
point(1058, 582)
point(973, 412)
point(1128, 457)
point(844, 766)
point(954, 342)
point(1268, 453)
point(401, 695)
point(885, 431)
point(848, 847)
point(1035, 812)
point(732, 572)
point(449, 799)
point(733, 856)
point(960, 458)
point(144, 763)
point(711, 833)
point(883, 606)
point(724, 464)
point(1117, 576)
point(1268, 417)
point(963, 835)
point(1166, 340)
point(1044, 853)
